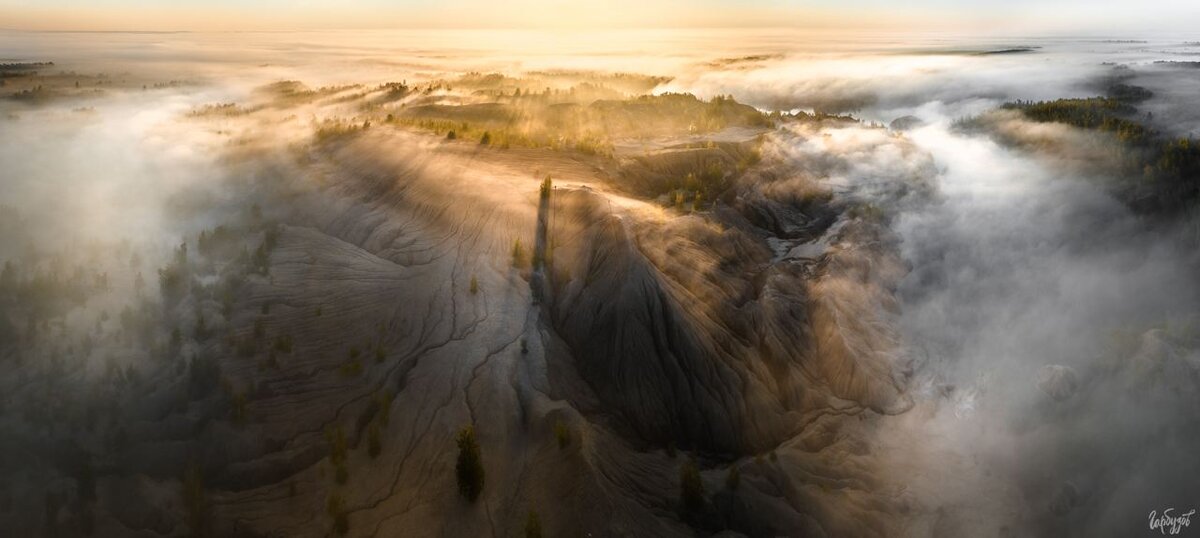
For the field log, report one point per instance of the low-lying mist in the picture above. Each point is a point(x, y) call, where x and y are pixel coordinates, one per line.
point(1057, 332)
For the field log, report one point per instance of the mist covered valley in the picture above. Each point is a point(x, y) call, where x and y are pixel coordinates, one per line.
point(645, 283)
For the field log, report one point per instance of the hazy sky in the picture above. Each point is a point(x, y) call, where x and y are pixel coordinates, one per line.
point(969, 15)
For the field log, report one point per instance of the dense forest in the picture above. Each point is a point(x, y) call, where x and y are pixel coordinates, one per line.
point(1160, 173)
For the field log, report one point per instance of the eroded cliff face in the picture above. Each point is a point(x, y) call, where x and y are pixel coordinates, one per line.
point(760, 330)
point(701, 335)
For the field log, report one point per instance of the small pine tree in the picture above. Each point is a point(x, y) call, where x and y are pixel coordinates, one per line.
point(238, 408)
point(691, 487)
point(86, 479)
point(562, 434)
point(486, 139)
point(8, 278)
point(262, 260)
point(201, 330)
point(451, 135)
point(384, 400)
point(336, 437)
point(733, 478)
point(533, 525)
point(373, 444)
point(335, 506)
point(469, 469)
point(195, 500)
point(518, 254)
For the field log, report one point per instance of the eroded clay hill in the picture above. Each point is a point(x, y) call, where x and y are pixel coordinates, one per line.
point(667, 338)
point(643, 337)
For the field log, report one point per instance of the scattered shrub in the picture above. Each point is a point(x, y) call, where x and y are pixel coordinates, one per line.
point(469, 469)
point(485, 139)
point(246, 348)
point(337, 453)
point(351, 368)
